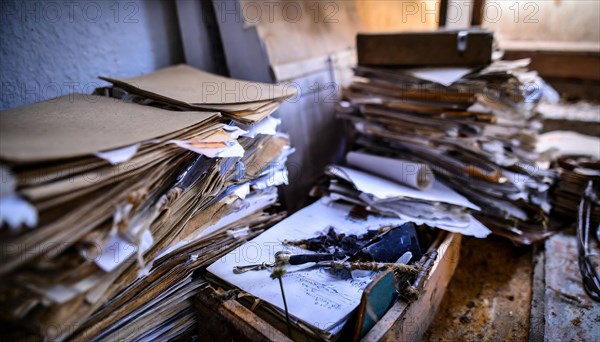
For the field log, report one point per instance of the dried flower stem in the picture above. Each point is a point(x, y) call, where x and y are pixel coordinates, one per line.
point(278, 272)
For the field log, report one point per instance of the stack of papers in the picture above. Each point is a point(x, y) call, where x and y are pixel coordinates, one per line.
point(576, 174)
point(476, 129)
point(110, 204)
point(438, 206)
point(319, 301)
point(159, 305)
point(187, 88)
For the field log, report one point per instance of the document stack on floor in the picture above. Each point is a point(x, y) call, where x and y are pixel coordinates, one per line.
point(109, 206)
point(475, 128)
point(186, 88)
point(323, 282)
point(577, 173)
point(320, 298)
point(402, 189)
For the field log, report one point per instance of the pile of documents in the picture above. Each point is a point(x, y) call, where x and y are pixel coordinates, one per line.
point(319, 300)
point(186, 88)
point(576, 174)
point(402, 189)
point(373, 193)
point(474, 128)
point(108, 205)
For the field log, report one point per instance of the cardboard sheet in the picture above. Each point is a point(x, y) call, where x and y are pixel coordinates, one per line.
point(190, 86)
point(77, 125)
point(313, 295)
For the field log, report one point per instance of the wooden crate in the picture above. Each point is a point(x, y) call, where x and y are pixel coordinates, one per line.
point(408, 322)
point(230, 320)
point(441, 48)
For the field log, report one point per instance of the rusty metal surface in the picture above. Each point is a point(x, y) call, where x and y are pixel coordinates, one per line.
point(489, 296)
point(570, 315)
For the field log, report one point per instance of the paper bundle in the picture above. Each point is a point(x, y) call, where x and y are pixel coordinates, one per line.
point(437, 206)
point(186, 88)
point(475, 129)
point(319, 301)
point(576, 174)
point(108, 201)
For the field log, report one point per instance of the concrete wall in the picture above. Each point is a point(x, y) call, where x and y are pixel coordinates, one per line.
point(52, 48)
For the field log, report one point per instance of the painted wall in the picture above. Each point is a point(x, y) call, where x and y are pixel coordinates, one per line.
point(52, 48)
point(398, 15)
point(542, 20)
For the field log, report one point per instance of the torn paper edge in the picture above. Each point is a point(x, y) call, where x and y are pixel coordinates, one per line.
point(118, 249)
point(17, 212)
point(119, 155)
point(268, 126)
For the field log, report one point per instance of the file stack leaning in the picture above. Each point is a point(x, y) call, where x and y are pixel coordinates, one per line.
point(475, 127)
point(108, 207)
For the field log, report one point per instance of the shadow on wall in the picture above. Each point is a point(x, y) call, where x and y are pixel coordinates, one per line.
point(49, 49)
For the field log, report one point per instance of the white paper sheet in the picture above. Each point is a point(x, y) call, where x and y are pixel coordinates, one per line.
point(569, 143)
point(267, 126)
point(234, 131)
point(313, 295)
point(117, 250)
point(277, 178)
point(242, 190)
point(119, 155)
point(385, 189)
point(443, 76)
point(17, 212)
point(472, 228)
point(233, 150)
point(416, 175)
point(252, 203)
point(453, 220)
point(503, 66)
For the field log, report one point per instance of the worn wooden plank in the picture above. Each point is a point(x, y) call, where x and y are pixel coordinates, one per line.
point(245, 53)
point(231, 321)
point(538, 284)
point(296, 31)
point(570, 315)
point(405, 322)
point(397, 15)
point(414, 49)
point(314, 58)
point(561, 64)
point(477, 15)
point(200, 37)
point(443, 13)
point(314, 132)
